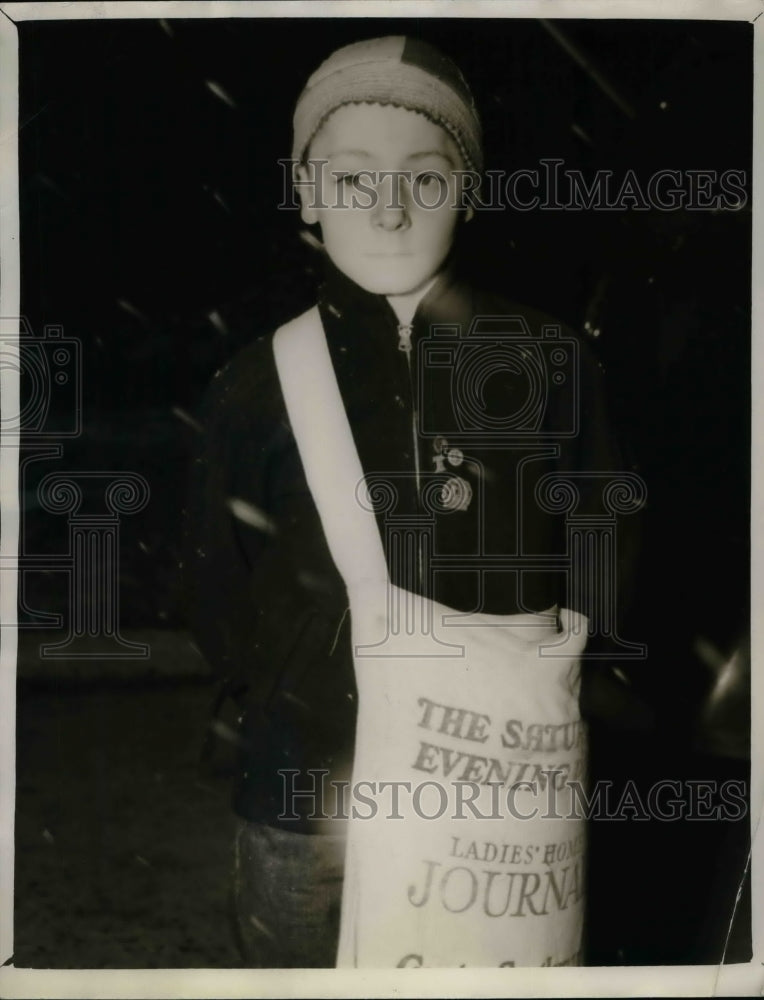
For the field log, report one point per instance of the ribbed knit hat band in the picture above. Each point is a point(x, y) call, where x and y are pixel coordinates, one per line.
point(395, 70)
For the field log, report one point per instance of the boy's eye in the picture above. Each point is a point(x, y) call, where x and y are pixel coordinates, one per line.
point(430, 178)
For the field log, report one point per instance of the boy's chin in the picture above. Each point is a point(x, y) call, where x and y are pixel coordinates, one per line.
point(391, 285)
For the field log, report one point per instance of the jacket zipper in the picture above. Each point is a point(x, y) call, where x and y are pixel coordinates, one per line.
point(404, 344)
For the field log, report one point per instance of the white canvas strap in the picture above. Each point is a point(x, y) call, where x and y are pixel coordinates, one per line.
point(327, 449)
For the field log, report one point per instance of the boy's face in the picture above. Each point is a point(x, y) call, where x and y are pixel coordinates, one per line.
point(386, 239)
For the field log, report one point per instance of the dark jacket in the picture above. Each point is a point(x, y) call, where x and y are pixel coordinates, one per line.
point(518, 397)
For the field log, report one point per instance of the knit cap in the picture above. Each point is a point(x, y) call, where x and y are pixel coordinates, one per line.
point(396, 70)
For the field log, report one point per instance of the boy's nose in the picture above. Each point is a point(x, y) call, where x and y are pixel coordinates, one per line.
point(391, 219)
point(390, 212)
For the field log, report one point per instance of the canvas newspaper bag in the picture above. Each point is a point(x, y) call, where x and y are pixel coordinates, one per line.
point(461, 849)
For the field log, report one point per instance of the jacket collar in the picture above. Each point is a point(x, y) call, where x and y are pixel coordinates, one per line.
point(448, 300)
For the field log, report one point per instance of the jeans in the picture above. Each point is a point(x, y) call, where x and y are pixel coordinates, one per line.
point(287, 890)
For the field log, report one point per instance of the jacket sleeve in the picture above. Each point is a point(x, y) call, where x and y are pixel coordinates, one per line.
point(595, 459)
point(228, 528)
point(609, 693)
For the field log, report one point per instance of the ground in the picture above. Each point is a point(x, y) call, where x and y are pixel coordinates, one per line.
point(122, 841)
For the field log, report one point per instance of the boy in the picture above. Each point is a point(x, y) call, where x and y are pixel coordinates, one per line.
point(384, 133)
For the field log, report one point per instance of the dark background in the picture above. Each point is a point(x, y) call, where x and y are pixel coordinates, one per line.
point(150, 232)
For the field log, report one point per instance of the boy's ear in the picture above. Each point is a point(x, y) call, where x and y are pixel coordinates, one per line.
point(306, 188)
point(469, 213)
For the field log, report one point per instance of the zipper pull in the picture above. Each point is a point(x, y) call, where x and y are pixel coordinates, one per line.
point(404, 333)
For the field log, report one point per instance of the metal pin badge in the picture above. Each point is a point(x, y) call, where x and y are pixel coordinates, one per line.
point(456, 494)
point(439, 446)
